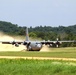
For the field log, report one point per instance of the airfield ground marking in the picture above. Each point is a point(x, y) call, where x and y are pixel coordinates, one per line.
point(38, 58)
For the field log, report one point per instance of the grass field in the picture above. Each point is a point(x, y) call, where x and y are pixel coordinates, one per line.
point(39, 67)
point(69, 52)
point(36, 67)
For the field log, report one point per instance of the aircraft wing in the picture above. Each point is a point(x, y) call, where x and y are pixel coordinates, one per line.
point(49, 42)
point(37, 42)
point(42, 42)
point(52, 42)
point(57, 43)
point(11, 42)
point(16, 42)
point(68, 41)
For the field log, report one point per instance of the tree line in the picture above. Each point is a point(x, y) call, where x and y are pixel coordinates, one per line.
point(43, 32)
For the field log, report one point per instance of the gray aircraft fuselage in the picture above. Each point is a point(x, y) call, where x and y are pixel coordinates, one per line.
point(34, 46)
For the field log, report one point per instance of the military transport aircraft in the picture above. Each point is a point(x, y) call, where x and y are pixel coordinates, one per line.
point(34, 45)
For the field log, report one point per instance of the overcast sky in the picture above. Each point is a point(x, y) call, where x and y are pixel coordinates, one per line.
point(38, 12)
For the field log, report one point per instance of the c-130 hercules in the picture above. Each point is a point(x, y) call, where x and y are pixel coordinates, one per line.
point(34, 45)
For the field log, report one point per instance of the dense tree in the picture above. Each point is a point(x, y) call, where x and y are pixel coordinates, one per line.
point(32, 34)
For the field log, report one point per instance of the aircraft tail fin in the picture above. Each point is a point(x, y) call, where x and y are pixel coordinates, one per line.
point(27, 35)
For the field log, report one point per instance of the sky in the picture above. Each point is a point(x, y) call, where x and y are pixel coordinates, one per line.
point(38, 12)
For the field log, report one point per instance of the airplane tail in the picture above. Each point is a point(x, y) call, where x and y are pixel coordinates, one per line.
point(27, 35)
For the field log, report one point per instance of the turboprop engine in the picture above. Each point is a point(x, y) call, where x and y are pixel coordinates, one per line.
point(57, 43)
point(53, 43)
point(16, 44)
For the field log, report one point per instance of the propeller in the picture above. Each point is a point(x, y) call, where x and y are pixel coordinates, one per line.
point(57, 45)
point(57, 39)
point(57, 42)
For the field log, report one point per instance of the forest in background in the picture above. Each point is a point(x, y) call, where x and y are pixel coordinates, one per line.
point(43, 32)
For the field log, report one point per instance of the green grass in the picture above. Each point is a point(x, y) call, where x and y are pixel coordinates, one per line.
point(63, 49)
point(40, 54)
point(68, 52)
point(36, 67)
point(39, 67)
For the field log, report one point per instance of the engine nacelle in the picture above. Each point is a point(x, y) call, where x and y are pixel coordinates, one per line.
point(58, 44)
point(50, 45)
point(17, 45)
